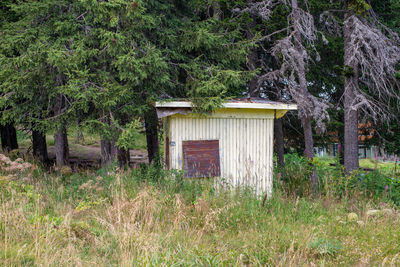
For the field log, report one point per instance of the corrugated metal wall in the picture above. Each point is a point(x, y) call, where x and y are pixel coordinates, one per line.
point(246, 147)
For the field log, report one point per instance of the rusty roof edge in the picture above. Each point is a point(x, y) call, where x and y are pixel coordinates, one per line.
point(232, 104)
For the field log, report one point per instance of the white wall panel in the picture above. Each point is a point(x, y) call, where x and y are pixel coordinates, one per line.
point(246, 147)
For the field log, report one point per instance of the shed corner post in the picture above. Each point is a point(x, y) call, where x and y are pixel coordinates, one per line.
point(166, 134)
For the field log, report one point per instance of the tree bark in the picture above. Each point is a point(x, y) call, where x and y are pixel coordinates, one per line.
point(253, 83)
point(107, 152)
point(8, 137)
point(151, 123)
point(39, 146)
point(123, 157)
point(60, 137)
point(308, 138)
point(350, 112)
point(279, 143)
point(341, 141)
point(309, 149)
point(252, 58)
point(61, 147)
point(305, 120)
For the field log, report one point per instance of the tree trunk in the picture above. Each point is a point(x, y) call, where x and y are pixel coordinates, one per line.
point(8, 137)
point(39, 146)
point(350, 113)
point(252, 59)
point(279, 144)
point(60, 137)
point(123, 157)
point(151, 122)
point(350, 135)
point(309, 149)
point(251, 62)
point(306, 119)
point(341, 141)
point(107, 152)
point(61, 147)
point(308, 139)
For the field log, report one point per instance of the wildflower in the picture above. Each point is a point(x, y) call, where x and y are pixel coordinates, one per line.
point(5, 159)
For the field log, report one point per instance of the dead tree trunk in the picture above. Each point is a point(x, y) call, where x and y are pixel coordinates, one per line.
point(279, 143)
point(151, 122)
point(107, 152)
point(306, 119)
point(39, 146)
point(8, 137)
point(350, 112)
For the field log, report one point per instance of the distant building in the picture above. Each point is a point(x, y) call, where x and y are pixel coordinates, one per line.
point(365, 150)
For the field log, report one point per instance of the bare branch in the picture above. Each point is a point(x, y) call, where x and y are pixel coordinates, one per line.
point(330, 24)
point(377, 56)
point(267, 37)
point(262, 9)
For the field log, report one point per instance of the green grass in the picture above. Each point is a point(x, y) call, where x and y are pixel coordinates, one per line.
point(377, 164)
point(78, 145)
point(387, 167)
point(151, 217)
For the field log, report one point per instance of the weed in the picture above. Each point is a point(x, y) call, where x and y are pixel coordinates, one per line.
point(324, 246)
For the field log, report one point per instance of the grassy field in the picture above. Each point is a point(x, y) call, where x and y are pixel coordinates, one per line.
point(387, 167)
point(150, 217)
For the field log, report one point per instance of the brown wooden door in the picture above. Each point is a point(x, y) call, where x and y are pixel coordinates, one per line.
point(201, 158)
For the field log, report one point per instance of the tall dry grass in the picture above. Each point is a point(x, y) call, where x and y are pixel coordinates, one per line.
point(51, 220)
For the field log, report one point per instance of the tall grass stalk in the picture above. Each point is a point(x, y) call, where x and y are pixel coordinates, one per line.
point(151, 217)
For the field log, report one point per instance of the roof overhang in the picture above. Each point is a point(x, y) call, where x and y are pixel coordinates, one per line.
point(169, 108)
point(247, 105)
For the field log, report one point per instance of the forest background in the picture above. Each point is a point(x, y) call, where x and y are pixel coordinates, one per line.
point(95, 68)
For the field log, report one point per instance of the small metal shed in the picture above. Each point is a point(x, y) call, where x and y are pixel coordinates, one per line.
point(234, 144)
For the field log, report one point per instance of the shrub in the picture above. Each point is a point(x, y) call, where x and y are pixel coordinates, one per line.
point(294, 177)
point(294, 180)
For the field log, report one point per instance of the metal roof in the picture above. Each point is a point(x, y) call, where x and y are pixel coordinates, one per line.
point(248, 103)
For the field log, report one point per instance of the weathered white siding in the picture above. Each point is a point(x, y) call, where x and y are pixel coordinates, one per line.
point(245, 143)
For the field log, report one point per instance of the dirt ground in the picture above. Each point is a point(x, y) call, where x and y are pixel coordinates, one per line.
point(90, 155)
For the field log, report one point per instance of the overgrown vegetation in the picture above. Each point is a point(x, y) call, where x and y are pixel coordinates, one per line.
point(69, 67)
point(381, 184)
point(151, 217)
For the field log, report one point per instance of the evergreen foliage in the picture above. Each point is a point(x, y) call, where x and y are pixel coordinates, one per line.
point(109, 61)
